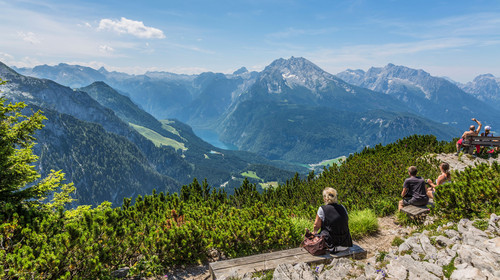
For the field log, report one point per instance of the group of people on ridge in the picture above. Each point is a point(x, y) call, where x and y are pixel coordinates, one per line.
point(475, 132)
point(332, 218)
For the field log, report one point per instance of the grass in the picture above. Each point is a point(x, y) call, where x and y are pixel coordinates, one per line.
point(481, 224)
point(165, 125)
point(329, 162)
point(449, 268)
point(251, 174)
point(158, 139)
point(299, 225)
point(397, 241)
point(362, 223)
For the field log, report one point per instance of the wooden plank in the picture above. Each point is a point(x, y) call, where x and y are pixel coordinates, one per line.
point(269, 261)
point(414, 210)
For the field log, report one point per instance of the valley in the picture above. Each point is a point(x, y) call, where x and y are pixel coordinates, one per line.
point(266, 126)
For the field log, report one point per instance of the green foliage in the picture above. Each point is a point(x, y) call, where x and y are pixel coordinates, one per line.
point(155, 232)
point(299, 225)
point(475, 192)
point(18, 183)
point(362, 223)
point(481, 224)
point(397, 241)
point(381, 256)
point(449, 268)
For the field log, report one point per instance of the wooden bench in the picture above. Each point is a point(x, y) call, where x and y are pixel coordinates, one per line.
point(269, 261)
point(484, 141)
point(414, 211)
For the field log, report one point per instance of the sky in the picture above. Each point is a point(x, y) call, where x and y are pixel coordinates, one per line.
point(456, 39)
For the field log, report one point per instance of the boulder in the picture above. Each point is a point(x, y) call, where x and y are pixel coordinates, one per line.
point(468, 273)
point(120, 273)
point(297, 272)
point(483, 260)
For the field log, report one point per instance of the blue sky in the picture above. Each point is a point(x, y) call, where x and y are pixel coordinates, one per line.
point(458, 39)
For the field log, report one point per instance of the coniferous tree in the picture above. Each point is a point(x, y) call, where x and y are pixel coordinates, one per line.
point(19, 182)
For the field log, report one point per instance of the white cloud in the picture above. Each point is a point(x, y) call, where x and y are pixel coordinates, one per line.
point(5, 56)
point(29, 37)
point(106, 49)
point(127, 26)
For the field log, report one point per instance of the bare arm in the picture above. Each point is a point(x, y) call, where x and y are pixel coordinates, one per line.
point(403, 193)
point(479, 126)
point(317, 224)
point(439, 181)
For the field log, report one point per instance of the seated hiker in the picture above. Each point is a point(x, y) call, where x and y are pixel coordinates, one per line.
point(414, 190)
point(488, 150)
point(332, 219)
point(471, 132)
point(445, 177)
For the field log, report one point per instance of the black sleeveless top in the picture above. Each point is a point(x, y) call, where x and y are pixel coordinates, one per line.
point(335, 227)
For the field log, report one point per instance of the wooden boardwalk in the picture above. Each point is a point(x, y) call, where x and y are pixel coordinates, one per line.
point(269, 261)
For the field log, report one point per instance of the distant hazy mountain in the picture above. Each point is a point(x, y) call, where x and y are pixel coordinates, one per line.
point(197, 99)
point(298, 112)
point(69, 75)
point(486, 88)
point(431, 97)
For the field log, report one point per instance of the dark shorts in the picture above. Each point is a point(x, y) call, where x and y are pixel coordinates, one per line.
point(412, 201)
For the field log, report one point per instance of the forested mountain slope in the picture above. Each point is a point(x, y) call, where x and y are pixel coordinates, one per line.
point(166, 154)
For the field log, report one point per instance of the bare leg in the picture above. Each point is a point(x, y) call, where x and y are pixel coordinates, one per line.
point(400, 206)
point(429, 193)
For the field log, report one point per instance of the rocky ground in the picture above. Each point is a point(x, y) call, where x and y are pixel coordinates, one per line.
point(455, 251)
point(459, 163)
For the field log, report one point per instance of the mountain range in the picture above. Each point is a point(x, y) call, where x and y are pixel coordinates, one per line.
point(112, 149)
point(291, 113)
point(486, 88)
point(432, 97)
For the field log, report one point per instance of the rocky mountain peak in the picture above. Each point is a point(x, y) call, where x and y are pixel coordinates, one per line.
point(484, 87)
point(240, 71)
point(295, 72)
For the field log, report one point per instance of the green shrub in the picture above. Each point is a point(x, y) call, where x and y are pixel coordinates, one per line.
point(362, 223)
point(299, 225)
point(475, 192)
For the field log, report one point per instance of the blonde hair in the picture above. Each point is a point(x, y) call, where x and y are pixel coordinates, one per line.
point(330, 195)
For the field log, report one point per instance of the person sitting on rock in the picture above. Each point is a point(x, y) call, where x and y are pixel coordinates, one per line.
point(414, 190)
point(333, 221)
point(445, 177)
point(471, 132)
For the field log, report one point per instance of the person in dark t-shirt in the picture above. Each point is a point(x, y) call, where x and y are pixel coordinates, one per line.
point(414, 190)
